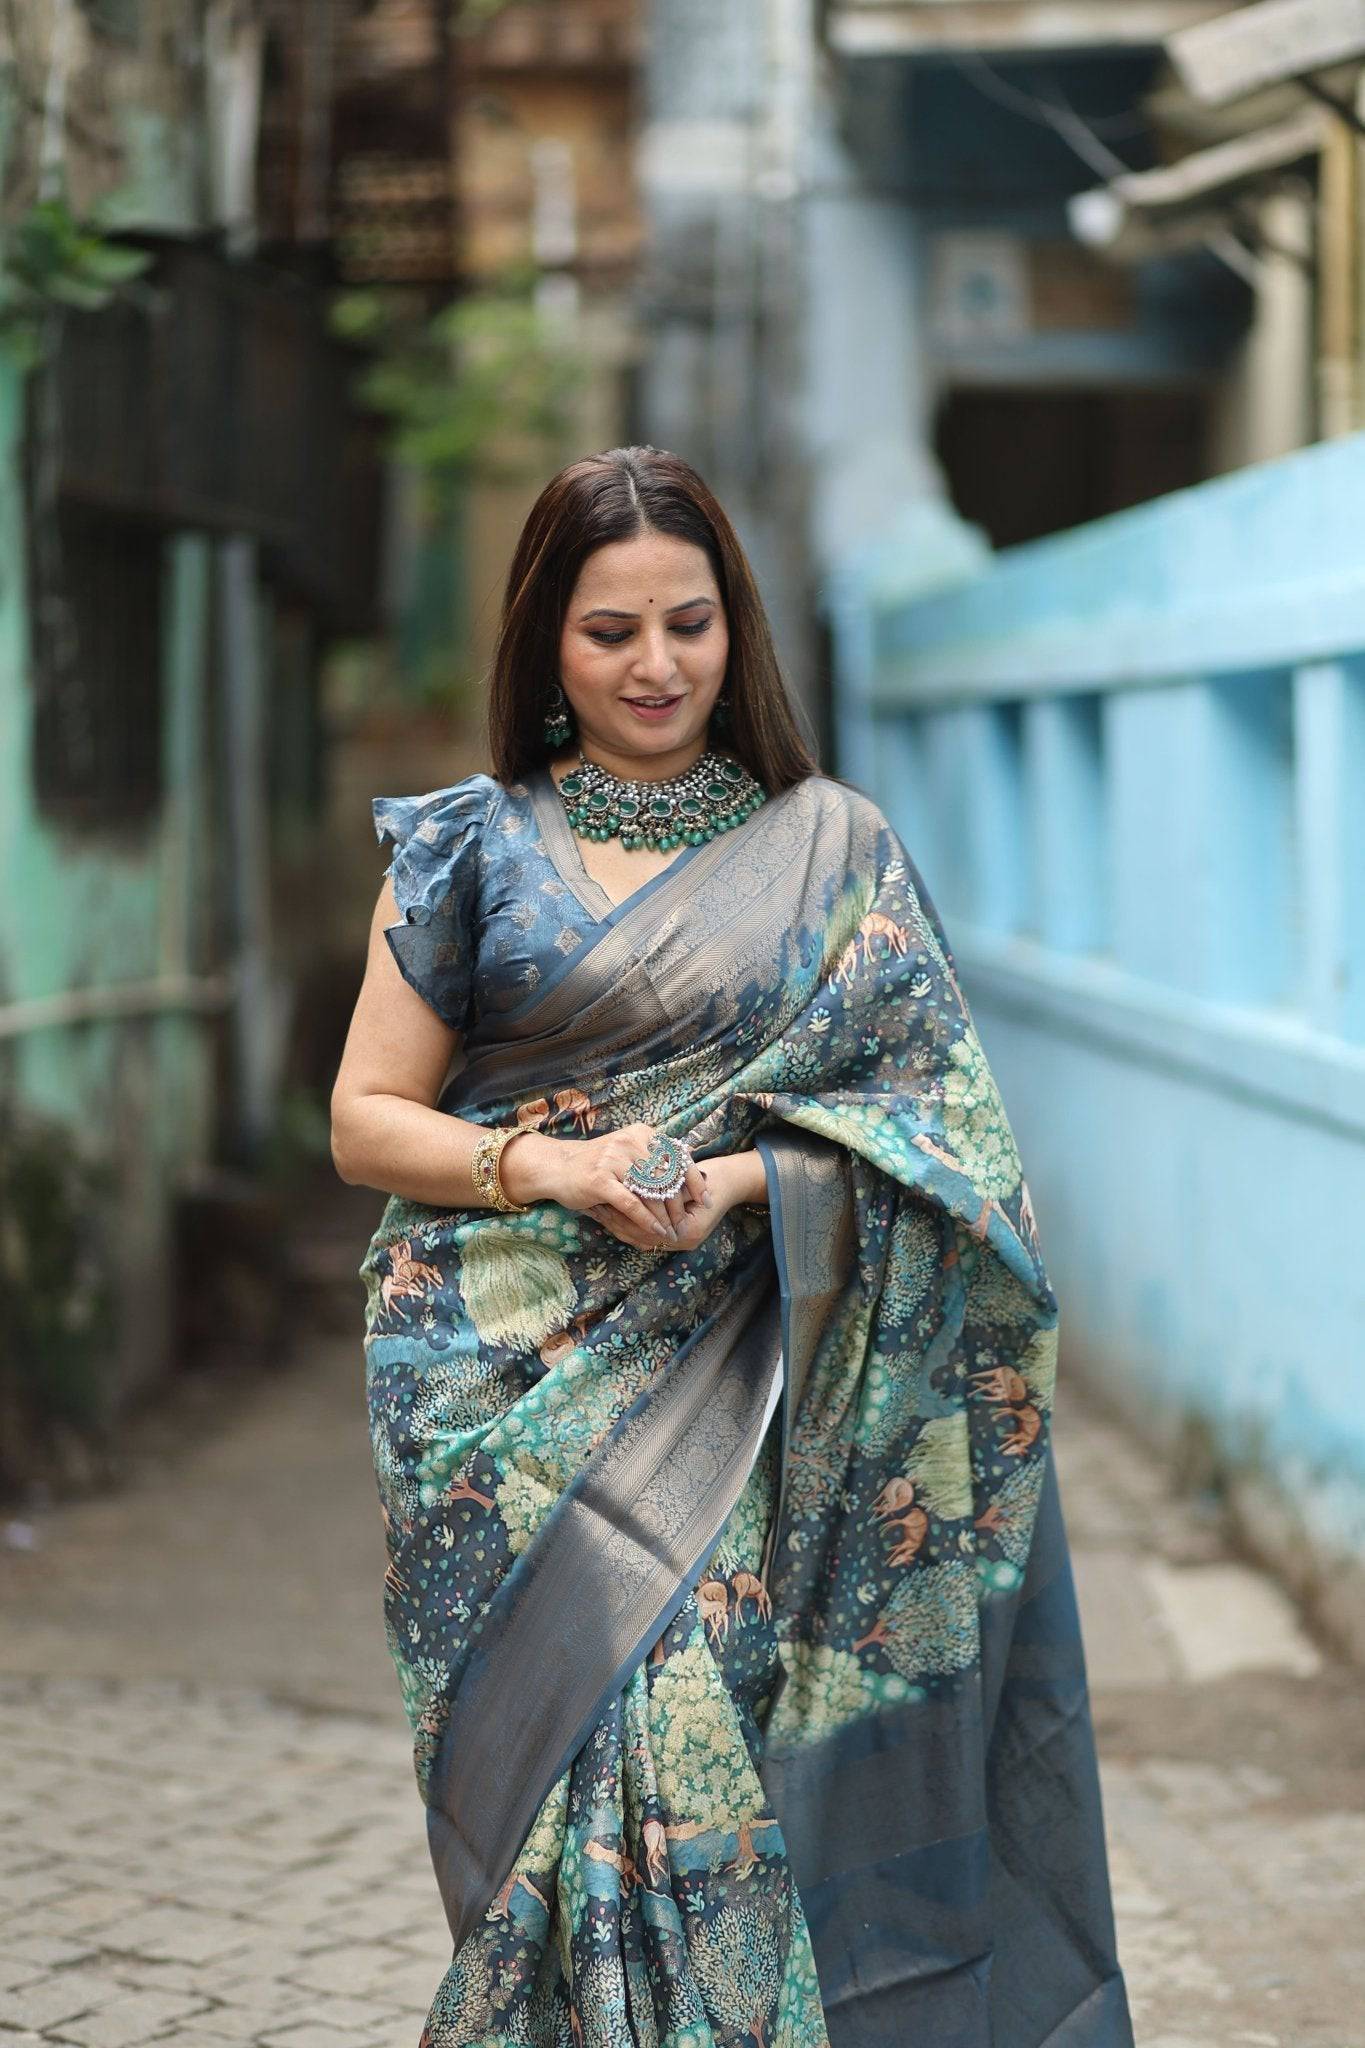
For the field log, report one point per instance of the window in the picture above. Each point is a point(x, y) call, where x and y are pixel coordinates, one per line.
point(95, 611)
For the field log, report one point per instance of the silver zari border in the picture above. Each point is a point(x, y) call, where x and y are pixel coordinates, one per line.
point(596, 1586)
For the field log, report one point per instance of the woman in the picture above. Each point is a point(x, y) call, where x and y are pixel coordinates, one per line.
point(710, 1357)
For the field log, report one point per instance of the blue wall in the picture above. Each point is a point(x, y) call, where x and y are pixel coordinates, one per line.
point(1130, 761)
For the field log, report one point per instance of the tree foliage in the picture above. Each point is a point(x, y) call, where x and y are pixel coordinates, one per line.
point(481, 386)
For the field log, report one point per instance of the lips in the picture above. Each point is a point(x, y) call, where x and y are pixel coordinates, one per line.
point(655, 702)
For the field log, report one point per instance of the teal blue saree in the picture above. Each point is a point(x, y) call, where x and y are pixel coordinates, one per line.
point(728, 1589)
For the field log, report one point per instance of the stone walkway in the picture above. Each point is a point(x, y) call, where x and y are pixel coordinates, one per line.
point(210, 1831)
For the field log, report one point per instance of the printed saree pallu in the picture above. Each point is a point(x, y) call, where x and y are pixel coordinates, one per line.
point(730, 1732)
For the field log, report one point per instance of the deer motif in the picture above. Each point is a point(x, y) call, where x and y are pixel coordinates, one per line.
point(656, 1850)
point(407, 1279)
point(561, 1342)
point(618, 1860)
point(572, 1102)
point(876, 925)
point(713, 1599)
point(747, 1587)
point(848, 964)
point(1027, 1423)
point(897, 1508)
point(1003, 1385)
point(501, 1903)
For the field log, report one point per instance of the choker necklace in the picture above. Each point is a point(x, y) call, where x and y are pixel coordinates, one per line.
point(714, 794)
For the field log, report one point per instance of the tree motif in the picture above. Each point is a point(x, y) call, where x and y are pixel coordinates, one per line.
point(825, 1690)
point(800, 2013)
point(930, 1624)
point(454, 1405)
point(814, 1479)
point(995, 1295)
point(939, 1462)
point(1039, 1365)
point(914, 1257)
point(547, 2013)
point(420, 1680)
point(464, 1999)
point(523, 1503)
point(1014, 1510)
point(975, 1126)
point(397, 1488)
point(705, 1775)
point(737, 1959)
point(601, 1992)
point(517, 1292)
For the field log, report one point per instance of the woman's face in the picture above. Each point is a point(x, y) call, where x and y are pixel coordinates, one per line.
point(645, 620)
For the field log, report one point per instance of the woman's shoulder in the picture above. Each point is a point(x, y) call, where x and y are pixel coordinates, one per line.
point(437, 835)
point(438, 818)
point(833, 797)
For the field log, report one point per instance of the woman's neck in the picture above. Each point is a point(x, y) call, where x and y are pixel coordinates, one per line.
point(631, 768)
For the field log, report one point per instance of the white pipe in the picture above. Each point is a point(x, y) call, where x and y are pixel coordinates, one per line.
point(116, 999)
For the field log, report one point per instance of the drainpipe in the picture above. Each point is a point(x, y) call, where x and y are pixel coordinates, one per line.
point(1340, 282)
point(232, 79)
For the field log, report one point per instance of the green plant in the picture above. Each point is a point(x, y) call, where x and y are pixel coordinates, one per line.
point(299, 1142)
point(470, 16)
point(466, 387)
point(50, 262)
point(54, 1274)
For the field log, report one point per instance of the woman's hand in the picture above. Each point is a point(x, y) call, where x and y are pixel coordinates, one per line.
point(586, 1175)
point(726, 1184)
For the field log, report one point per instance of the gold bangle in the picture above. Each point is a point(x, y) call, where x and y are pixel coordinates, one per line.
point(483, 1169)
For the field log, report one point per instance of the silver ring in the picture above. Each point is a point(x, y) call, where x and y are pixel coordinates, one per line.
point(662, 1170)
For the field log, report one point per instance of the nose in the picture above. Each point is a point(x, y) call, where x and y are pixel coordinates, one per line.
point(654, 664)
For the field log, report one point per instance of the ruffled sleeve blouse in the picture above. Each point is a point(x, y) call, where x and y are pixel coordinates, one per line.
point(494, 896)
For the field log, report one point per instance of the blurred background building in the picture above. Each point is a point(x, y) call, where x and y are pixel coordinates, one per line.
point(1023, 344)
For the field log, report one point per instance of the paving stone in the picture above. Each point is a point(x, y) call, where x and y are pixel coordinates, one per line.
point(311, 2035)
point(1228, 1617)
point(128, 2021)
point(175, 1933)
point(59, 1996)
point(365, 1969)
point(46, 1951)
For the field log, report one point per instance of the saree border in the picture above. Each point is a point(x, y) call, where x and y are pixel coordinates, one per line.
point(562, 851)
point(596, 1586)
point(813, 1227)
point(549, 1008)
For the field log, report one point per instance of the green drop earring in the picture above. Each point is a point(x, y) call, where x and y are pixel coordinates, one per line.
point(556, 725)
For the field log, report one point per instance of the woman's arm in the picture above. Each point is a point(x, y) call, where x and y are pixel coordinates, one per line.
point(739, 1177)
point(388, 1134)
point(386, 1130)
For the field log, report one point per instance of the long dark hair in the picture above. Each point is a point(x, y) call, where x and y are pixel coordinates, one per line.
point(608, 497)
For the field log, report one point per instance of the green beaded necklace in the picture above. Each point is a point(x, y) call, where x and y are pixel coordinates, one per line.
point(715, 794)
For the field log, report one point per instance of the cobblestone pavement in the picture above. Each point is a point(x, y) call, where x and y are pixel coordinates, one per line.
point(188, 1864)
point(210, 1830)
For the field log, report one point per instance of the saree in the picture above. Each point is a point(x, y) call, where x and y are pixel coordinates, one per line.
point(728, 1588)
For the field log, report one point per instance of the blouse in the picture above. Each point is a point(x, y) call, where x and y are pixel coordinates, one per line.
point(494, 896)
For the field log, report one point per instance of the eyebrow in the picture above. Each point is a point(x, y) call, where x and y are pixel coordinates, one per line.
point(602, 611)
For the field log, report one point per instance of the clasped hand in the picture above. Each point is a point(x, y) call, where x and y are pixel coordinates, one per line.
point(588, 1177)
